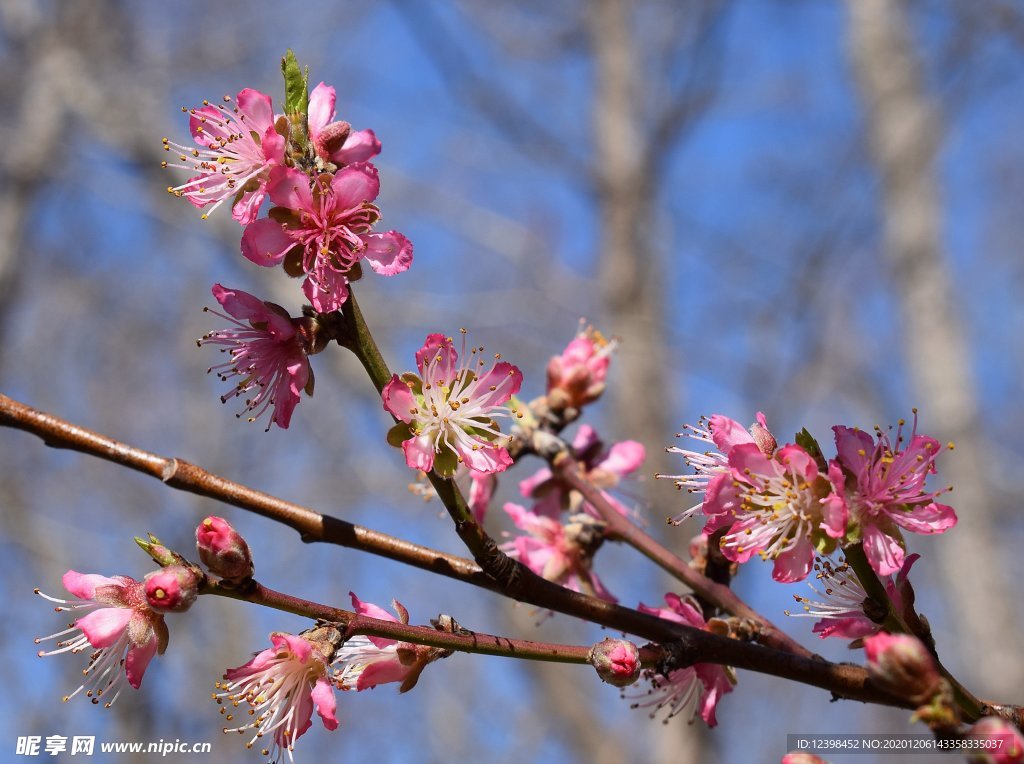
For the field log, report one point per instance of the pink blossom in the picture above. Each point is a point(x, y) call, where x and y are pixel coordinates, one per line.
point(777, 507)
point(710, 475)
point(365, 662)
point(237, 149)
point(122, 628)
point(334, 141)
point(692, 689)
point(329, 226)
point(282, 685)
point(884, 490)
point(841, 609)
point(558, 553)
point(1002, 742)
point(447, 413)
point(577, 376)
point(268, 353)
point(604, 469)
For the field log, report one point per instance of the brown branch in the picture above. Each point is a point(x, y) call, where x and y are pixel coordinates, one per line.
point(696, 646)
point(462, 640)
point(311, 525)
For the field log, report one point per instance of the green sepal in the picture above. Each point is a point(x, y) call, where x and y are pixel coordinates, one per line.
point(398, 434)
point(806, 441)
point(445, 463)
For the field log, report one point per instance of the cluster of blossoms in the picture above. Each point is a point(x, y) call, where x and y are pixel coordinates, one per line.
point(691, 690)
point(282, 685)
point(322, 186)
point(785, 504)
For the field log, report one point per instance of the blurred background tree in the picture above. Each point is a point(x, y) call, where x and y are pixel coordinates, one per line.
point(806, 208)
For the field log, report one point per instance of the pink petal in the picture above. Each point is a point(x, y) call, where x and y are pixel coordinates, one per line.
point(883, 552)
point(687, 613)
point(354, 185)
point(258, 109)
point(929, 518)
point(360, 146)
point(855, 448)
point(206, 132)
point(586, 438)
point(844, 628)
point(273, 145)
point(419, 453)
point(486, 460)
point(323, 698)
point(136, 661)
point(528, 486)
point(289, 392)
point(290, 188)
point(328, 291)
point(371, 610)
point(105, 626)
point(796, 460)
point(398, 399)
point(794, 564)
point(834, 515)
point(505, 378)
point(382, 672)
point(623, 458)
point(387, 253)
point(247, 209)
point(747, 463)
point(439, 352)
point(83, 585)
point(481, 489)
point(321, 108)
point(726, 433)
point(265, 242)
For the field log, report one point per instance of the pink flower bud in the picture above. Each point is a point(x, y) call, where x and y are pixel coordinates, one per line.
point(901, 664)
point(223, 550)
point(172, 589)
point(617, 661)
point(577, 376)
point(759, 431)
point(802, 758)
point(1000, 741)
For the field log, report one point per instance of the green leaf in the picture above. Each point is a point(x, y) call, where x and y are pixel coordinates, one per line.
point(296, 85)
point(806, 441)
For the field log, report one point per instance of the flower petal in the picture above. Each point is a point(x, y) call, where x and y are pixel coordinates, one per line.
point(326, 705)
point(321, 109)
point(265, 242)
point(136, 661)
point(387, 253)
point(105, 626)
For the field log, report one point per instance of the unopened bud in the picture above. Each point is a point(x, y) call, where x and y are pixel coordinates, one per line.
point(223, 550)
point(765, 441)
point(1000, 742)
point(577, 376)
point(902, 665)
point(617, 661)
point(172, 589)
point(332, 138)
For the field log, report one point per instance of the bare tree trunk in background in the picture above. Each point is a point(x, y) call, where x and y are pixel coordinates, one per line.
point(904, 137)
point(631, 288)
point(628, 263)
